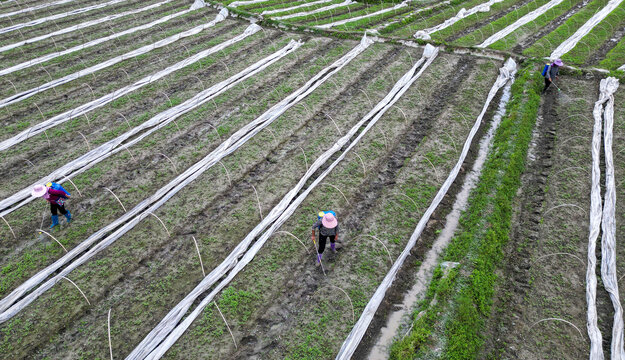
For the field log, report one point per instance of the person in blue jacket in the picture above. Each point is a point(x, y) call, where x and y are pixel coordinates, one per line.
point(56, 195)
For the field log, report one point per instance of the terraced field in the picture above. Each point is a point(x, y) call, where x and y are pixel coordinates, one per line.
point(478, 217)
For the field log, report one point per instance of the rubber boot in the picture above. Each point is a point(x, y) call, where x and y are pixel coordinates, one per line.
point(333, 247)
point(68, 216)
point(318, 262)
point(55, 221)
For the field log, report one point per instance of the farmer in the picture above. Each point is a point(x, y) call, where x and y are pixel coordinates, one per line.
point(328, 228)
point(55, 195)
point(551, 73)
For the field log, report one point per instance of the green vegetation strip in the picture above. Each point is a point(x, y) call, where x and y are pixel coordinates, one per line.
point(306, 8)
point(547, 44)
point(478, 248)
point(367, 23)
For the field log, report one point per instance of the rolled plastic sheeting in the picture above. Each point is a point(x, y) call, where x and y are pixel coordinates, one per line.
point(136, 134)
point(506, 73)
point(594, 334)
point(85, 108)
point(356, 18)
point(81, 26)
point(439, 4)
point(92, 43)
point(275, 11)
point(608, 223)
point(570, 43)
point(108, 63)
point(58, 16)
point(527, 18)
point(127, 221)
point(316, 11)
point(463, 13)
point(243, 3)
point(35, 8)
point(278, 215)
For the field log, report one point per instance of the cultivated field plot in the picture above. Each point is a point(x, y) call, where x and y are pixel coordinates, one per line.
point(594, 29)
point(199, 142)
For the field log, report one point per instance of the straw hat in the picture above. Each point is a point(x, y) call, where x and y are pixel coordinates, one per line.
point(558, 62)
point(329, 221)
point(39, 191)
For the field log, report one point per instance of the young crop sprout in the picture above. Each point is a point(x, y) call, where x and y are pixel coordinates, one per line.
point(119, 201)
point(199, 255)
point(82, 293)
point(162, 223)
point(228, 326)
point(53, 238)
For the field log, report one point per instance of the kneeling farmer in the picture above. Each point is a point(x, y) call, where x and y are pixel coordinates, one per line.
point(328, 228)
point(55, 195)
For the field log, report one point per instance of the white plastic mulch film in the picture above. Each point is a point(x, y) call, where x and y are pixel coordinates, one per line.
point(316, 11)
point(463, 13)
point(583, 30)
point(58, 16)
point(604, 111)
point(506, 73)
point(35, 8)
point(108, 63)
point(92, 43)
point(412, 13)
point(9, 306)
point(276, 218)
point(356, 18)
point(136, 134)
point(82, 26)
point(94, 104)
point(275, 11)
point(527, 18)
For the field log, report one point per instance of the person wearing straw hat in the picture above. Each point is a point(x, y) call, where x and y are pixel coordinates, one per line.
point(56, 198)
point(328, 228)
point(551, 73)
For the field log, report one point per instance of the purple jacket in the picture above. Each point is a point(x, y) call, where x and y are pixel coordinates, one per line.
point(55, 196)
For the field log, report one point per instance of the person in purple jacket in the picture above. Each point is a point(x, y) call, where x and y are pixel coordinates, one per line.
point(56, 197)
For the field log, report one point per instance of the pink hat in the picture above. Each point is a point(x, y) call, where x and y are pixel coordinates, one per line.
point(558, 62)
point(39, 191)
point(329, 221)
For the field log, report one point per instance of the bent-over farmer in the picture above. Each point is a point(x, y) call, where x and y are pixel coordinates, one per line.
point(552, 73)
point(328, 228)
point(56, 196)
